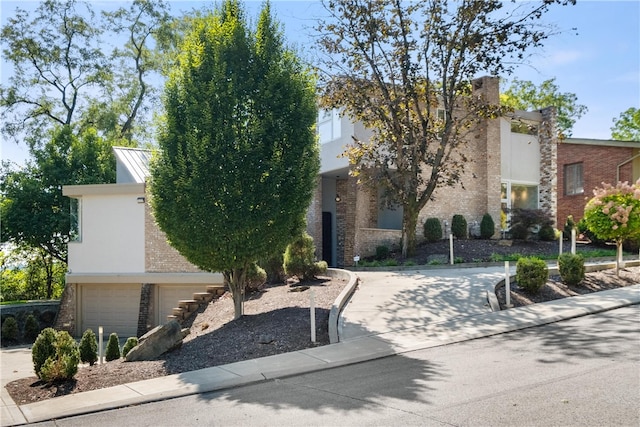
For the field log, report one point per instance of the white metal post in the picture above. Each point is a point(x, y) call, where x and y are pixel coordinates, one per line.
point(100, 333)
point(450, 248)
point(507, 284)
point(313, 316)
point(573, 241)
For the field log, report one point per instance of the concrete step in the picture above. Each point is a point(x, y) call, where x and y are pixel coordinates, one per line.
point(203, 297)
point(216, 289)
point(179, 312)
point(189, 305)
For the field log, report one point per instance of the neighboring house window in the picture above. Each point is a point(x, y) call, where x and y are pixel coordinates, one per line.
point(521, 126)
point(328, 125)
point(573, 183)
point(75, 229)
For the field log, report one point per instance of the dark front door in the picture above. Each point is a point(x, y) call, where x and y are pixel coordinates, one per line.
point(327, 243)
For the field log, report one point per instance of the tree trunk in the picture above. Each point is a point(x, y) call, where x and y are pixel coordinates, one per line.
point(235, 279)
point(618, 257)
point(409, 222)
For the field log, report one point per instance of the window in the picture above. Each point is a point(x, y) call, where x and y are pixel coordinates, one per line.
point(75, 228)
point(516, 196)
point(573, 183)
point(329, 125)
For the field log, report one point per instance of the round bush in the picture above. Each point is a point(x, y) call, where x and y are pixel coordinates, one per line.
point(432, 230)
point(382, 252)
point(487, 226)
point(10, 330)
point(43, 348)
point(113, 348)
point(299, 259)
point(31, 328)
point(131, 342)
point(459, 227)
point(571, 268)
point(89, 347)
point(531, 274)
point(256, 277)
point(63, 365)
point(547, 233)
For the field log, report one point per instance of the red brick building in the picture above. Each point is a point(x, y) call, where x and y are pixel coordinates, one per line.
point(584, 164)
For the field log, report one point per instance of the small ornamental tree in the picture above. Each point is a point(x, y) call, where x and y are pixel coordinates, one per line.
point(113, 348)
point(614, 214)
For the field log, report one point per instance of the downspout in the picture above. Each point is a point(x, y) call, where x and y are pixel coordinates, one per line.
point(622, 164)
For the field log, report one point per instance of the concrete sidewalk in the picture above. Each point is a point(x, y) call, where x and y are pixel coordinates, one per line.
point(389, 313)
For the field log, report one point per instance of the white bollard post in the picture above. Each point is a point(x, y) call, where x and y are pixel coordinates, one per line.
point(560, 243)
point(100, 333)
point(507, 284)
point(573, 241)
point(313, 316)
point(450, 248)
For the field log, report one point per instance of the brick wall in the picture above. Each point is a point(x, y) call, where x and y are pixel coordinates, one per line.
point(314, 218)
point(160, 257)
point(66, 318)
point(548, 140)
point(599, 165)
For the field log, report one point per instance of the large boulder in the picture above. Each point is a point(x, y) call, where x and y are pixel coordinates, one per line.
point(157, 341)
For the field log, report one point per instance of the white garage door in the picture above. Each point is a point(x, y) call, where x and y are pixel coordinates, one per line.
point(169, 295)
point(114, 307)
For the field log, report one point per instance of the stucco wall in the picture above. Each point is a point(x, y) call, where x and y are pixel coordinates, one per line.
point(112, 239)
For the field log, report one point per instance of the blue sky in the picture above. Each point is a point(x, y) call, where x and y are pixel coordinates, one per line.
point(599, 61)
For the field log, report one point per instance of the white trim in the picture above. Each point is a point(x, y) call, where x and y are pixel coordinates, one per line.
point(157, 278)
point(101, 189)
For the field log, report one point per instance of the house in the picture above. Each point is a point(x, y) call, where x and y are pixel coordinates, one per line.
point(514, 166)
point(584, 164)
point(122, 274)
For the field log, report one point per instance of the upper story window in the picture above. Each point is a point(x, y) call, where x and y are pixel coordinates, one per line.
point(573, 179)
point(329, 125)
point(521, 126)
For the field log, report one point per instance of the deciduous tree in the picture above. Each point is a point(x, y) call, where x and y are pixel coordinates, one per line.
point(627, 126)
point(524, 95)
point(613, 214)
point(393, 64)
point(238, 154)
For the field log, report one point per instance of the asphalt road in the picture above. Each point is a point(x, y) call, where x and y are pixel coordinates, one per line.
point(579, 372)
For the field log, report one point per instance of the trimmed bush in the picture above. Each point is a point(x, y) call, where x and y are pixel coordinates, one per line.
point(487, 226)
point(459, 227)
point(273, 267)
point(382, 252)
point(113, 348)
point(524, 220)
point(256, 277)
point(31, 328)
point(43, 348)
point(432, 230)
point(571, 268)
point(547, 233)
point(569, 225)
point(299, 259)
point(10, 331)
point(89, 347)
point(64, 364)
point(531, 274)
point(131, 342)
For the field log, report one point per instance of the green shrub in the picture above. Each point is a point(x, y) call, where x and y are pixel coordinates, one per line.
point(390, 262)
point(273, 267)
point(299, 259)
point(10, 330)
point(131, 342)
point(113, 348)
point(43, 348)
point(256, 277)
point(531, 273)
point(571, 268)
point(432, 230)
point(547, 233)
point(89, 347)
point(31, 328)
point(459, 227)
point(569, 225)
point(382, 252)
point(524, 220)
point(63, 365)
point(487, 226)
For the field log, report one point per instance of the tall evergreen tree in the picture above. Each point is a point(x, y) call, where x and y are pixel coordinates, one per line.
point(238, 154)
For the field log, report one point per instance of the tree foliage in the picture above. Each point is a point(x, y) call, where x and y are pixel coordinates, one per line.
point(613, 214)
point(627, 126)
point(524, 95)
point(63, 74)
point(392, 65)
point(239, 157)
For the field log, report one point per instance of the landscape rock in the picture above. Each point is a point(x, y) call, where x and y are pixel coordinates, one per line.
point(157, 342)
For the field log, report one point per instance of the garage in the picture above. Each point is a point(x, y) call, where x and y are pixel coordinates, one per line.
point(115, 307)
